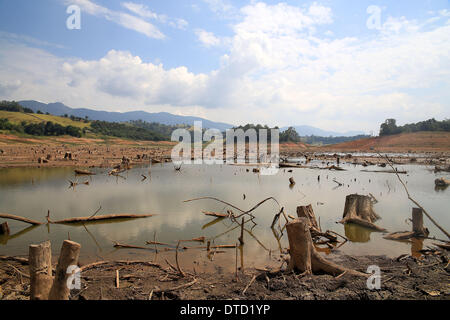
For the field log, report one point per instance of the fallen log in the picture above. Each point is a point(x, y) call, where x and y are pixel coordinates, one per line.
point(304, 257)
point(17, 218)
point(84, 172)
point(216, 214)
point(70, 252)
point(99, 218)
point(126, 246)
point(358, 209)
point(41, 279)
point(385, 171)
point(418, 230)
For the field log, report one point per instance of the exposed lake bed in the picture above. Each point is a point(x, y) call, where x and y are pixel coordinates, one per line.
point(33, 192)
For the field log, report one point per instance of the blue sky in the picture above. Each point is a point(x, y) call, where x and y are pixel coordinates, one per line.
point(280, 63)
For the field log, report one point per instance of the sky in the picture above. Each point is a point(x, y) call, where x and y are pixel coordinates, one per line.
point(340, 65)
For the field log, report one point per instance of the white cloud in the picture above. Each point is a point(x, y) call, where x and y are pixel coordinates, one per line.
point(208, 39)
point(277, 71)
point(124, 19)
point(144, 12)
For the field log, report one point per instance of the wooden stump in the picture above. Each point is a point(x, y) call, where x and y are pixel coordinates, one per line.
point(419, 231)
point(304, 256)
point(40, 262)
point(70, 252)
point(358, 209)
point(4, 228)
point(308, 213)
point(316, 232)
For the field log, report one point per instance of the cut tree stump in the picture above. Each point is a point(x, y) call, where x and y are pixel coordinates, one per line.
point(4, 228)
point(316, 232)
point(41, 279)
point(70, 252)
point(358, 209)
point(419, 231)
point(304, 256)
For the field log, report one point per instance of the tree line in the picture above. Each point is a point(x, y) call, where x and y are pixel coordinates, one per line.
point(41, 129)
point(389, 127)
point(13, 106)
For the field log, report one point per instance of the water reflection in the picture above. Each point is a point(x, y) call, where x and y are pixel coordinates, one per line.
point(163, 194)
point(357, 233)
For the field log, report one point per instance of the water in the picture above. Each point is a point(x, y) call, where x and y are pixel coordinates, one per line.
point(32, 192)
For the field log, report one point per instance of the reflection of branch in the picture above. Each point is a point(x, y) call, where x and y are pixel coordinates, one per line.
point(414, 201)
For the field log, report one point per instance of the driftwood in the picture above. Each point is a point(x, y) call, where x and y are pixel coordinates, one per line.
point(70, 252)
point(358, 209)
point(419, 231)
point(216, 214)
point(126, 246)
point(441, 169)
point(304, 256)
point(16, 259)
point(441, 182)
point(41, 279)
point(84, 172)
point(385, 171)
point(415, 202)
point(17, 218)
point(4, 228)
point(99, 218)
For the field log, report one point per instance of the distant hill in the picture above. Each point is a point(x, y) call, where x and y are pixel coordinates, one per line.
point(404, 142)
point(304, 131)
point(60, 109)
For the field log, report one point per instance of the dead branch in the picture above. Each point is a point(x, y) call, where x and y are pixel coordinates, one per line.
point(17, 218)
point(99, 218)
point(414, 201)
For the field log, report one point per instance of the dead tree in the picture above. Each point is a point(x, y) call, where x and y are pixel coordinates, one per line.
point(418, 230)
point(41, 279)
point(304, 257)
point(358, 209)
point(70, 252)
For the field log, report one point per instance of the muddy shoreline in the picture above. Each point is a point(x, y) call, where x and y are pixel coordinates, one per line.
point(107, 156)
point(403, 278)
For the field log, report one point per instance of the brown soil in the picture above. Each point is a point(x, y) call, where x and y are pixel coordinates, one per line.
point(407, 142)
point(20, 152)
point(409, 278)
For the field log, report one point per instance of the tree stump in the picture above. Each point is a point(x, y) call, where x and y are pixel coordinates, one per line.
point(358, 209)
point(304, 256)
point(70, 252)
point(40, 262)
point(418, 230)
point(316, 232)
point(4, 228)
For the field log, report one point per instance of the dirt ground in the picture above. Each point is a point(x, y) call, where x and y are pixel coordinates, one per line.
point(403, 278)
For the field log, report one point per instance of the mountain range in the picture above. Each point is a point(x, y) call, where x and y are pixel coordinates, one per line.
point(59, 109)
point(304, 131)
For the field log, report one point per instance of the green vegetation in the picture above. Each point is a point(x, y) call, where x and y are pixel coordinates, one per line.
point(290, 135)
point(13, 106)
point(41, 129)
point(126, 130)
point(389, 127)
